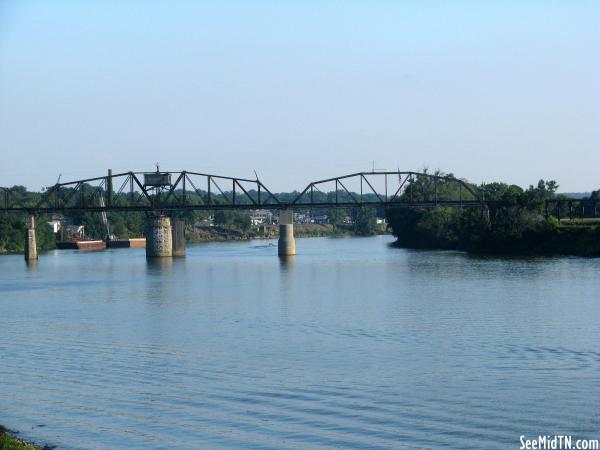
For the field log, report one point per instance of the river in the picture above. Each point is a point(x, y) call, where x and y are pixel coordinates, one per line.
point(351, 344)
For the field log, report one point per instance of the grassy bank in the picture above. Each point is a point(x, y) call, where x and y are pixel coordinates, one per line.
point(8, 442)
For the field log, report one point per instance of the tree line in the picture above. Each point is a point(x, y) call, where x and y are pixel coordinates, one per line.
point(513, 221)
point(126, 225)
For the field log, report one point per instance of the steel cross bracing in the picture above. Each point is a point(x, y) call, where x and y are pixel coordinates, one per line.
point(180, 191)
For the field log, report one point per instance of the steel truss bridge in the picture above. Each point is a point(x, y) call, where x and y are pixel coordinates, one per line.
point(167, 191)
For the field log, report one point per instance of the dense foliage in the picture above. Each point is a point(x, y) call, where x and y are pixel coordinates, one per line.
point(364, 222)
point(125, 225)
point(232, 219)
point(12, 227)
point(515, 223)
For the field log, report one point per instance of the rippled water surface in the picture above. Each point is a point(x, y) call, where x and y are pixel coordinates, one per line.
point(351, 344)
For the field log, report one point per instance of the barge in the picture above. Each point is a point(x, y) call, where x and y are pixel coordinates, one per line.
point(83, 244)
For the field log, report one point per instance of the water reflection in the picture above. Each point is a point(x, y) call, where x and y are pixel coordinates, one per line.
point(159, 266)
point(287, 263)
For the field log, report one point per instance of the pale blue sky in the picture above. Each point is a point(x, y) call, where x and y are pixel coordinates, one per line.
point(301, 90)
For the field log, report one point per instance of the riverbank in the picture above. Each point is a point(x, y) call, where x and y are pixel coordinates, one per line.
point(514, 232)
point(10, 442)
point(223, 233)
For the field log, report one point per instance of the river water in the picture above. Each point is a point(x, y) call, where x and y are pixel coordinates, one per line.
point(351, 344)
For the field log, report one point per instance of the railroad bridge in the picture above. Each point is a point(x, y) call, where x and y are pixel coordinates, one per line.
point(162, 195)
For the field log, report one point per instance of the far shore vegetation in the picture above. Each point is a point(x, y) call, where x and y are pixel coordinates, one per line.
point(224, 224)
point(514, 221)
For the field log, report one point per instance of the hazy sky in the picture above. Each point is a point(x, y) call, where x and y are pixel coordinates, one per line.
point(301, 90)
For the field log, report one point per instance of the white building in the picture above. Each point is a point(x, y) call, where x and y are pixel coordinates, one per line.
point(55, 224)
point(261, 217)
point(301, 218)
point(320, 219)
point(208, 222)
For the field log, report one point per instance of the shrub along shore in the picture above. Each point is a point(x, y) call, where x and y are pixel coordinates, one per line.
point(9, 442)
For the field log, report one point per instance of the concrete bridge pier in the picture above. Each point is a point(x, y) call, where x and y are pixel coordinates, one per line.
point(159, 237)
point(178, 237)
point(287, 244)
point(30, 243)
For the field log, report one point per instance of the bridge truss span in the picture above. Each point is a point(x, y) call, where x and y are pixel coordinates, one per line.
point(164, 191)
point(145, 191)
point(389, 189)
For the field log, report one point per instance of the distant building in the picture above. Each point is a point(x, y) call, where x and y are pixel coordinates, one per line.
point(320, 219)
point(301, 218)
point(261, 217)
point(56, 225)
point(208, 222)
point(57, 222)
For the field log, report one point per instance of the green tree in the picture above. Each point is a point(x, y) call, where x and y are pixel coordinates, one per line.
point(222, 217)
point(364, 221)
point(336, 216)
point(12, 233)
point(242, 221)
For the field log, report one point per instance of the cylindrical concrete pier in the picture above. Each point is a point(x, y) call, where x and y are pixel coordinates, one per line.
point(159, 237)
point(287, 244)
point(30, 243)
point(178, 237)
